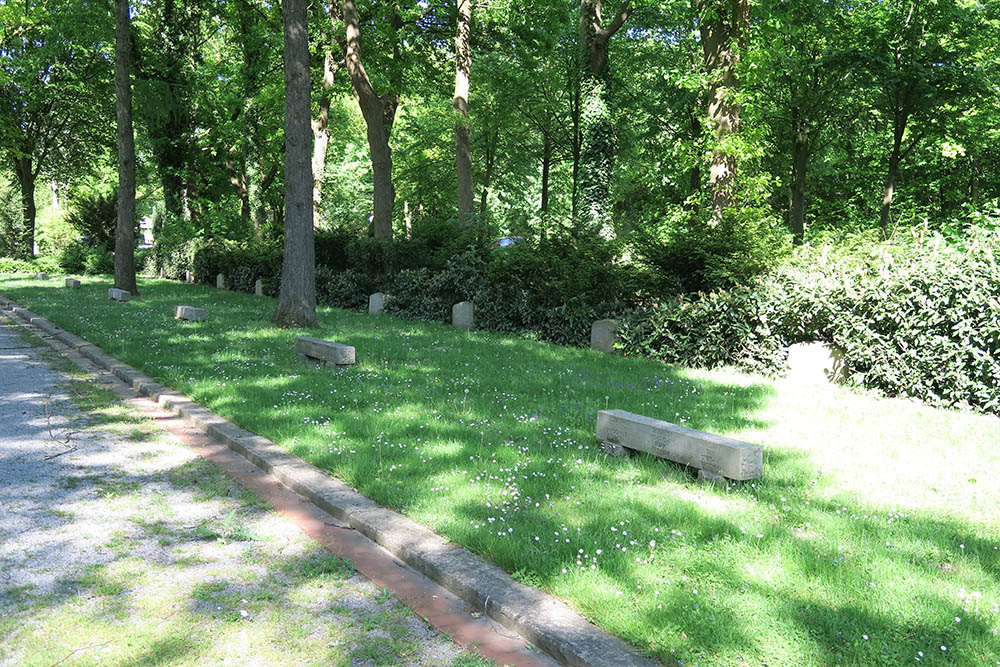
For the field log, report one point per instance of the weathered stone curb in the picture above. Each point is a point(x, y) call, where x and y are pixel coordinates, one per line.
point(538, 617)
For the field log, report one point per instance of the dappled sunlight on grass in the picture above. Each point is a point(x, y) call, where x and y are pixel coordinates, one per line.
point(874, 527)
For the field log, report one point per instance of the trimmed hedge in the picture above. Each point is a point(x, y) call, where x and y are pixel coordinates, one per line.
point(918, 317)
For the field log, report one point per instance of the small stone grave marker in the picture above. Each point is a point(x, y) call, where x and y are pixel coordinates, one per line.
point(116, 294)
point(41, 276)
point(321, 351)
point(190, 313)
point(602, 335)
point(375, 303)
point(712, 453)
point(72, 283)
point(258, 288)
point(220, 281)
point(462, 316)
point(189, 277)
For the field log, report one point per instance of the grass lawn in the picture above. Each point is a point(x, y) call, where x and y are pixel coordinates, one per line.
point(872, 538)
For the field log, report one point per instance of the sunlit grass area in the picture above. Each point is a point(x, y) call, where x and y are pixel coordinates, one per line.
point(872, 538)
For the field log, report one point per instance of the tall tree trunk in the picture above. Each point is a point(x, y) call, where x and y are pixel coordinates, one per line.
point(723, 28)
point(694, 175)
point(546, 166)
point(895, 157)
point(25, 174)
point(379, 113)
point(463, 152)
point(974, 177)
point(800, 165)
point(490, 163)
point(598, 150)
point(297, 297)
point(321, 135)
point(125, 229)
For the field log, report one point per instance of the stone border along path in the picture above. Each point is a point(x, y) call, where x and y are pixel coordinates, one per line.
point(538, 617)
point(126, 541)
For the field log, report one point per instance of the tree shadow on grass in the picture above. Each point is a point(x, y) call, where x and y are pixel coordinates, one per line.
point(428, 410)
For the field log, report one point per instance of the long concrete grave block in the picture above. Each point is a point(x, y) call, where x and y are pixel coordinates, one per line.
point(190, 313)
point(324, 351)
point(375, 303)
point(462, 316)
point(72, 283)
point(715, 454)
point(41, 276)
point(116, 294)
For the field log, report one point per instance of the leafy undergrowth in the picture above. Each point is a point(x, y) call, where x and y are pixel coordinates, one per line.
point(872, 538)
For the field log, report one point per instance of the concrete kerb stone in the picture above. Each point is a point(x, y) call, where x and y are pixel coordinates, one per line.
point(540, 618)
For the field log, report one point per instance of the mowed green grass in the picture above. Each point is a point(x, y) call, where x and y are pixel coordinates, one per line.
point(872, 538)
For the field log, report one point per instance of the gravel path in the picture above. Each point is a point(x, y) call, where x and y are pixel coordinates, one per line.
point(118, 545)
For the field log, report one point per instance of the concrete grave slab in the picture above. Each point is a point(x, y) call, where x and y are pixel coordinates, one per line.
point(116, 294)
point(190, 313)
point(72, 283)
point(324, 351)
point(715, 454)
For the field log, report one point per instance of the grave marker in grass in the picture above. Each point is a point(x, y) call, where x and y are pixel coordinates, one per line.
point(190, 313)
point(220, 281)
point(714, 454)
point(317, 350)
point(375, 303)
point(462, 316)
point(602, 335)
point(72, 283)
point(116, 294)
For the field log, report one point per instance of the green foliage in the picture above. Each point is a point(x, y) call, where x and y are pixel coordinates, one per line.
point(14, 265)
point(95, 215)
point(242, 263)
point(347, 289)
point(11, 221)
point(915, 317)
point(696, 254)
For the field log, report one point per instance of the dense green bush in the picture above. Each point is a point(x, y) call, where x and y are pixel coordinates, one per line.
point(917, 317)
point(73, 257)
point(242, 263)
point(734, 327)
point(13, 265)
point(346, 289)
point(95, 217)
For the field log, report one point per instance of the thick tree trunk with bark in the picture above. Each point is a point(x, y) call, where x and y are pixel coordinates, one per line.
point(800, 165)
point(379, 113)
point(297, 297)
point(723, 28)
point(598, 133)
point(460, 101)
point(25, 174)
point(125, 229)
